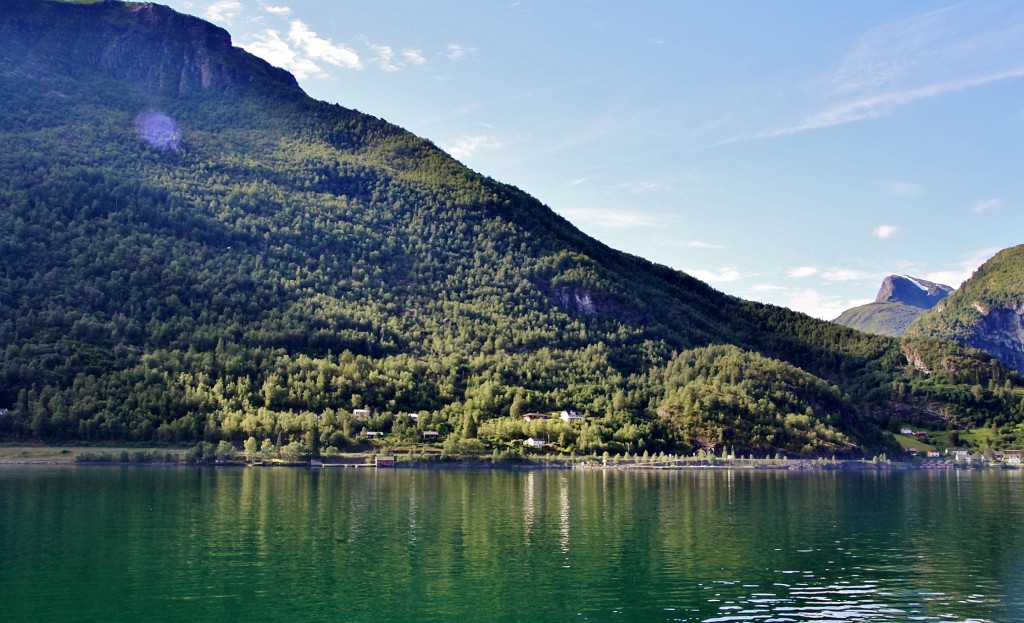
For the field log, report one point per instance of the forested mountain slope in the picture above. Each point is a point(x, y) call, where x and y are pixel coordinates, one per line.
point(194, 249)
point(987, 311)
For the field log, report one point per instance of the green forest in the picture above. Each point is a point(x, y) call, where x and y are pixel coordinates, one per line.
point(284, 264)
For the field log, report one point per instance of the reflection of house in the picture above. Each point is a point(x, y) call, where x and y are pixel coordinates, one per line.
point(1012, 457)
point(535, 443)
point(429, 434)
point(570, 416)
point(533, 417)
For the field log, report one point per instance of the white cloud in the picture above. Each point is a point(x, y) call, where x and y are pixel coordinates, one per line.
point(468, 145)
point(383, 57)
point(767, 287)
point(619, 219)
point(697, 244)
point(851, 274)
point(984, 205)
point(723, 275)
point(961, 271)
point(320, 49)
point(269, 46)
point(818, 305)
point(414, 57)
point(456, 52)
point(222, 11)
point(884, 232)
point(802, 271)
point(277, 10)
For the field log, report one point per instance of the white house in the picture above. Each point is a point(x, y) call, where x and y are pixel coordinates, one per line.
point(535, 443)
point(360, 414)
point(570, 416)
point(906, 431)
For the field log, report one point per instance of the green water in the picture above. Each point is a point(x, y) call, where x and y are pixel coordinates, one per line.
point(186, 544)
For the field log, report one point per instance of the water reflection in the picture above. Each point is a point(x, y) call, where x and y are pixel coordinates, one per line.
point(290, 545)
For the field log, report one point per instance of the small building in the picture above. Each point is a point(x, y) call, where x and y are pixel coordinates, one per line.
point(384, 461)
point(316, 463)
point(535, 443)
point(361, 414)
point(960, 454)
point(912, 451)
point(570, 416)
point(429, 434)
point(921, 434)
point(906, 431)
point(533, 417)
point(373, 434)
point(1012, 457)
point(934, 454)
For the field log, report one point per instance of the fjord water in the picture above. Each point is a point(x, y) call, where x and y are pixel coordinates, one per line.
point(226, 544)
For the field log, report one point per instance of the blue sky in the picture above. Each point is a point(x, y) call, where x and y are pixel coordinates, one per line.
point(794, 153)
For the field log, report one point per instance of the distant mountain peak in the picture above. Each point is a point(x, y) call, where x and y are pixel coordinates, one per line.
point(911, 291)
point(899, 302)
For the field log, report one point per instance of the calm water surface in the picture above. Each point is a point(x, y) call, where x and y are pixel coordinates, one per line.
point(179, 544)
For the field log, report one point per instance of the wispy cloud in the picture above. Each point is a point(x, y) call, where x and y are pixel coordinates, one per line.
point(698, 244)
point(468, 145)
point(884, 232)
point(851, 274)
point(814, 303)
point(962, 47)
point(901, 188)
point(722, 275)
point(414, 57)
point(302, 52)
point(960, 271)
point(984, 205)
point(276, 10)
point(319, 49)
point(382, 57)
point(456, 52)
point(800, 272)
point(269, 46)
point(767, 287)
point(619, 219)
point(222, 11)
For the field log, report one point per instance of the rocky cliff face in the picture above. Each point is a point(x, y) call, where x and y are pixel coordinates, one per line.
point(1000, 332)
point(151, 46)
point(899, 302)
point(911, 291)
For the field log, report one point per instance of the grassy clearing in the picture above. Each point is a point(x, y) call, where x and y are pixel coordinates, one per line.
point(64, 454)
point(909, 442)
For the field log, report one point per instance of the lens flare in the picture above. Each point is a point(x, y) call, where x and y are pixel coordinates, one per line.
point(158, 130)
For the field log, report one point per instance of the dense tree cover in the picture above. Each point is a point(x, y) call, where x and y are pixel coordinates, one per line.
point(998, 283)
point(292, 262)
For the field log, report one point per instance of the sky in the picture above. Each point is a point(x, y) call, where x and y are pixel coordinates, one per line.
point(794, 153)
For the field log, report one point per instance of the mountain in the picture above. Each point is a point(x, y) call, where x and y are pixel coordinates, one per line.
point(900, 300)
point(987, 312)
point(191, 249)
